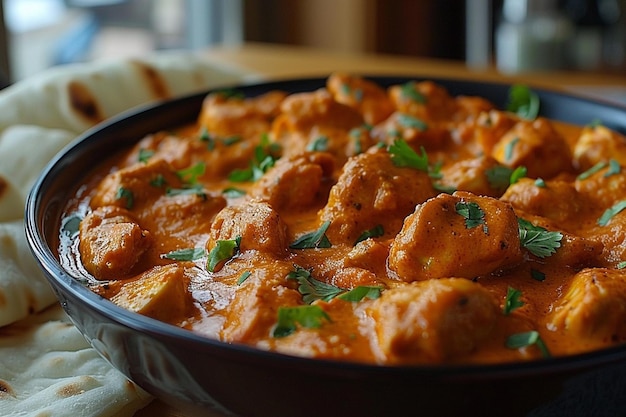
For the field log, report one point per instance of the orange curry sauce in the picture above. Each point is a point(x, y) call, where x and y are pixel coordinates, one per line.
point(416, 197)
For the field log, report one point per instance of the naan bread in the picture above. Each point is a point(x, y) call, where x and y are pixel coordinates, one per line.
point(46, 366)
point(48, 369)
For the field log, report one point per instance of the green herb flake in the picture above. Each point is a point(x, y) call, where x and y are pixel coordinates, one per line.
point(472, 213)
point(307, 316)
point(611, 212)
point(264, 158)
point(512, 300)
point(517, 174)
point(189, 254)
point(233, 192)
point(311, 288)
point(205, 136)
point(158, 181)
point(70, 225)
point(614, 168)
point(537, 240)
point(499, 177)
point(126, 194)
point(621, 265)
point(316, 239)
point(190, 175)
point(144, 155)
point(223, 251)
point(359, 293)
point(231, 93)
point(588, 173)
point(320, 144)
point(243, 277)
point(194, 189)
point(410, 92)
point(376, 231)
point(411, 122)
point(523, 101)
point(509, 147)
point(539, 182)
point(402, 155)
point(525, 339)
point(231, 140)
point(537, 275)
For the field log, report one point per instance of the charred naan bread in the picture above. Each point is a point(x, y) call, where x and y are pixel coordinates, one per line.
point(46, 367)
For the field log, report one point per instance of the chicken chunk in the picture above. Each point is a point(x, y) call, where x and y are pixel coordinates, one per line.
point(558, 201)
point(256, 222)
point(434, 240)
point(424, 100)
point(112, 243)
point(253, 312)
point(594, 306)
point(433, 320)
point(296, 182)
point(537, 146)
point(599, 144)
point(481, 176)
point(605, 187)
point(160, 293)
point(368, 98)
point(372, 191)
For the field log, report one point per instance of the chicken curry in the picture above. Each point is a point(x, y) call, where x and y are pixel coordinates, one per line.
point(397, 225)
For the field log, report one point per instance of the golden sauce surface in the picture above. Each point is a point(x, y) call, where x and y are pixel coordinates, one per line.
point(391, 226)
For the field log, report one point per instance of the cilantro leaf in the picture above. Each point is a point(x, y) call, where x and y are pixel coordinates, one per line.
point(525, 339)
point(523, 101)
point(243, 277)
point(190, 175)
point(539, 182)
point(311, 288)
point(320, 144)
point(411, 122)
point(537, 275)
point(376, 231)
point(512, 301)
point(307, 316)
point(223, 251)
point(144, 155)
point(517, 174)
point(614, 168)
point(362, 291)
point(472, 213)
point(611, 212)
point(316, 239)
point(409, 91)
point(537, 240)
point(126, 194)
point(233, 192)
point(264, 158)
point(402, 155)
point(509, 147)
point(189, 254)
point(191, 189)
point(588, 173)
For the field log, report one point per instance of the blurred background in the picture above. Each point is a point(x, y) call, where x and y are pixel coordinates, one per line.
point(511, 35)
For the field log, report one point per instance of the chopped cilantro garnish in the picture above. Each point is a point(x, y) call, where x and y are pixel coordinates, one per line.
point(223, 251)
point(243, 277)
point(311, 288)
point(126, 194)
point(611, 212)
point(189, 254)
point(307, 316)
point(70, 225)
point(537, 274)
point(317, 239)
point(409, 91)
point(512, 301)
point(264, 158)
point(231, 140)
point(517, 174)
point(499, 177)
point(144, 155)
point(193, 189)
point(402, 155)
point(521, 340)
point(539, 182)
point(362, 291)
point(614, 168)
point(190, 175)
point(205, 136)
point(412, 122)
point(588, 173)
point(233, 192)
point(320, 144)
point(509, 147)
point(537, 240)
point(621, 265)
point(158, 181)
point(376, 231)
point(229, 93)
point(472, 213)
point(523, 101)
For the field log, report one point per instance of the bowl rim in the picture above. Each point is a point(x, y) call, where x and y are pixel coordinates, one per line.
point(57, 275)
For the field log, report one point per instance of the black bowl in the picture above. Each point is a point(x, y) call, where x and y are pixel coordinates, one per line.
point(198, 374)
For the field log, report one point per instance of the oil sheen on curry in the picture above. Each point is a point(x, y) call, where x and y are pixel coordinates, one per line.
point(397, 225)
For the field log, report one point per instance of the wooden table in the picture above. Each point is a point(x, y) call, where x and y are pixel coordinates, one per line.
point(272, 62)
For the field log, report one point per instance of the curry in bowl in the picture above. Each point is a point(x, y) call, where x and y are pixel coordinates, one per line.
point(398, 225)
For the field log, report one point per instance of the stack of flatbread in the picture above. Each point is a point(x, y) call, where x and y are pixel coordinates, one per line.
point(46, 366)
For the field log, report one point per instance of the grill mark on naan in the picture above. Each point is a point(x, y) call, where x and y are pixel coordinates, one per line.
point(154, 80)
point(84, 103)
